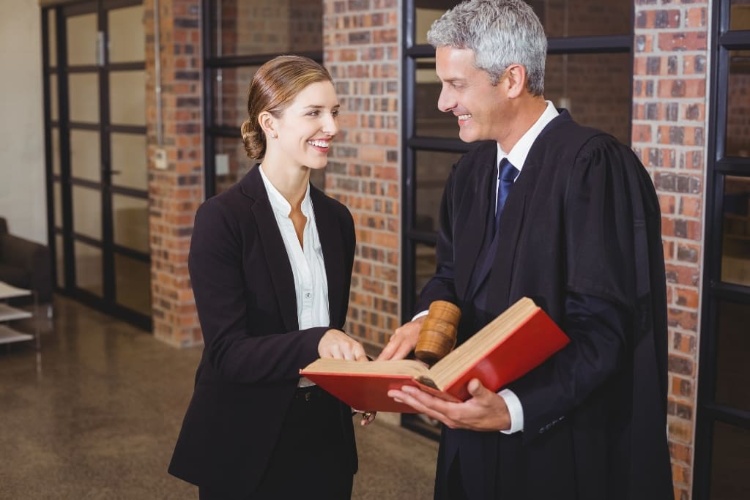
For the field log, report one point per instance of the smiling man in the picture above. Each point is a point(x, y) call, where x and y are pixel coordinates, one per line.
point(566, 215)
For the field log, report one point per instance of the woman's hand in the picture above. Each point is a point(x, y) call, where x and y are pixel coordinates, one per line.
point(338, 345)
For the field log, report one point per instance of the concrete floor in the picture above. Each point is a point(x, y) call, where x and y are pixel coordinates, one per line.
point(95, 415)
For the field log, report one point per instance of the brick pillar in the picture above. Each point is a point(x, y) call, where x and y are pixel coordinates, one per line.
point(362, 52)
point(669, 130)
point(175, 191)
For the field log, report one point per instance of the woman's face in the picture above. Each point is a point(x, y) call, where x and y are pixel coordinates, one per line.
point(308, 125)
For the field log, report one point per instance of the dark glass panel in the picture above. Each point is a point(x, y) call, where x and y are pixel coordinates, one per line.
point(739, 15)
point(560, 18)
point(230, 95)
point(735, 261)
point(732, 351)
point(595, 88)
point(730, 463)
point(738, 105)
point(425, 265)
point(133, 279)
point(266, 26)
point(432, 169)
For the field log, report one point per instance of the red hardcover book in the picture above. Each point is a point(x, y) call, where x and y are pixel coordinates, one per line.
point(515, 342)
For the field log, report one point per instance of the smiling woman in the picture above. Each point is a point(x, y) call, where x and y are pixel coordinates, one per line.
point(270, 265)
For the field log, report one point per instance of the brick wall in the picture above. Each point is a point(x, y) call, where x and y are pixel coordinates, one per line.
point(669, 118)
point(362, 52)
point(174, 192)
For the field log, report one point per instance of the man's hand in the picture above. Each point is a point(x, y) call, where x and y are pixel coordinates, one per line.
point(338, 345)
point(483, 411)
point(403, 340)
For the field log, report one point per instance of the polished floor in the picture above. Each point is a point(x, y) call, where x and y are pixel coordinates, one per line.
point(95, 413)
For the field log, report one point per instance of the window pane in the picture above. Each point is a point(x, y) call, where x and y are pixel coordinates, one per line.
point(87, 218)
point(127, 41)
point(595, 88)
point(429, 120)
point(425, 265)
point(88, 268)
point(230, 95)
point(129, 160)
point(55, 135)
point(83, 95)
point(85, 158)
point(52, 35)
point(130, 220)
point(739, 17)
point(127, 97)
point(560, 18)
point(566, 18)
point(53, 107)
point(59, 261)
point(82, 33)
point(432, 171)
point(730, 463)
point(133, 284)
point(231, 162)
point(57, 193)
point(267, 26)
point(735, 262)
point(733, 346)
point(738, 109)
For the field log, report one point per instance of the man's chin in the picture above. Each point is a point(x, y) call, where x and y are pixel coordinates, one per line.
point(467, 135)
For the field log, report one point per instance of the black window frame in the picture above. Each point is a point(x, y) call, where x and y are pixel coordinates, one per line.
point(714, 291)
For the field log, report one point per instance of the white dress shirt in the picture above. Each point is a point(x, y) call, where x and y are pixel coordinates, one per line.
point(308, 267)
point(517, 157)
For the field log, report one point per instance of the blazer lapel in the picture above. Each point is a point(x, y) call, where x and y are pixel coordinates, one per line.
point(274, 250)
point(332, 243)
point(469, 236)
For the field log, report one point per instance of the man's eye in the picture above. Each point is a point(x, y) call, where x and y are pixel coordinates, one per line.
point(313, 113)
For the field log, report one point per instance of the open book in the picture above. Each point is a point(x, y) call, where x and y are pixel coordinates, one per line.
point(518, 340)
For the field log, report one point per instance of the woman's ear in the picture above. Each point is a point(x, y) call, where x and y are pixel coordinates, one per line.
point(268, 124)
point(516, 80)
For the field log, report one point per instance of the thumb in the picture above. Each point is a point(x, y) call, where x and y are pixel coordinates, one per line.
point(476, 389)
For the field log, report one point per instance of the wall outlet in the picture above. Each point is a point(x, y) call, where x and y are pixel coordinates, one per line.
point(160, 159)
point(222, 164)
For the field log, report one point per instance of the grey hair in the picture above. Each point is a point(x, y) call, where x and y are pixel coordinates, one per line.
point(500, 32)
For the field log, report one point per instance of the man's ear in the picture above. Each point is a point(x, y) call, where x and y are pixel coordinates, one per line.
point(516, 80)
point(268, 123)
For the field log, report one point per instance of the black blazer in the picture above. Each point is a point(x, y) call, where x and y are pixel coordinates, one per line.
point(253, 348)
point(582, 219)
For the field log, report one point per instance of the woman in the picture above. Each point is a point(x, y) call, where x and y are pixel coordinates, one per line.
point(270, 263)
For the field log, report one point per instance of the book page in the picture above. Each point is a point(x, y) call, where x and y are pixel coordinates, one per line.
point(410, 367)
point(450, 367)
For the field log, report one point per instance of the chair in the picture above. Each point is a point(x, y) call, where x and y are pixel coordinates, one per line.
point(25, 264)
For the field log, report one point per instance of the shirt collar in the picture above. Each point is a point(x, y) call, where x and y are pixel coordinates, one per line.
point(517, 155)
point(279, 203)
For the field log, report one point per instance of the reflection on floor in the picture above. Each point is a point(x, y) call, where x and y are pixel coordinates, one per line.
point(95, 416)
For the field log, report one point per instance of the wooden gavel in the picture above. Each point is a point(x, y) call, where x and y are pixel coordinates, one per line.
point(437, 337)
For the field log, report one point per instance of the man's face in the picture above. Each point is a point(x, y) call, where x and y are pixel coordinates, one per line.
point(468, 93)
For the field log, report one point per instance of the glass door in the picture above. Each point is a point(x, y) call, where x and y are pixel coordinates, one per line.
point(97, 94)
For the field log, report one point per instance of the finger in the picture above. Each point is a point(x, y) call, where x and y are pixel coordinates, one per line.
point(476, 389)
point(387, 352)
point(359, 353)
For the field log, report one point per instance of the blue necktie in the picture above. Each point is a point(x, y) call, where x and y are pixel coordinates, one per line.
point(508, 174)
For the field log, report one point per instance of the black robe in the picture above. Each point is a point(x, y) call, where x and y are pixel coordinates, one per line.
point(582, 218)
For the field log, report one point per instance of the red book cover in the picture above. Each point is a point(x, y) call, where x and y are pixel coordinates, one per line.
point(517, 341)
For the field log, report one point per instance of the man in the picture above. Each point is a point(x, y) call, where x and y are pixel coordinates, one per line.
point(579, 233)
